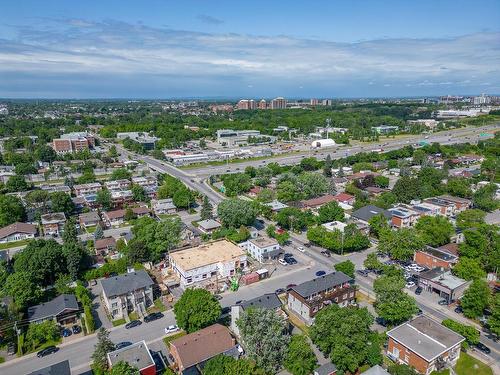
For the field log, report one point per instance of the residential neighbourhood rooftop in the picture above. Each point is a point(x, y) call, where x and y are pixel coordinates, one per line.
point(426, 337)
point(137, 355)
point(367, 212)
point(209, 253)
point(17, 228)
point(318, 284)
point(267, 301)
point(53, 307)
point(128, 282)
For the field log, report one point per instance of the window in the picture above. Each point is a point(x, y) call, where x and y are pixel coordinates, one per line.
point(395, 352)
point(115, 312)
point(407, 359)
point(114, 304)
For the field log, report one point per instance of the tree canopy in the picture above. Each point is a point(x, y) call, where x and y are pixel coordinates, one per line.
point(196, 309)
point(300, 359)
point(236, 212)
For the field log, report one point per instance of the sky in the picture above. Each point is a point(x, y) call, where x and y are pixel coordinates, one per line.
point(257, 49)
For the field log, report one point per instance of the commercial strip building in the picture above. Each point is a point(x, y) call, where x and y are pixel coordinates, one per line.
point(441, 281)
point(179, 157)
point(431, 257)
point(145, 140)
point(216, 260)
point(424, 344)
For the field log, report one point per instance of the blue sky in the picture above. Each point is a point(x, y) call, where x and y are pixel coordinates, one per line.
point(162, 49)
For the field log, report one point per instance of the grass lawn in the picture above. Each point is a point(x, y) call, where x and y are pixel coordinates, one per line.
point(167, 339)
point(10, 245)
point(133, 316)
point(167, 216)
point(45, 345)
point(118, 322)
point(469, 365)
point(443, 372)
point(90, 229)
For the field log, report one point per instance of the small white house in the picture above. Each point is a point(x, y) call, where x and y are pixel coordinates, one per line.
point(262, 248)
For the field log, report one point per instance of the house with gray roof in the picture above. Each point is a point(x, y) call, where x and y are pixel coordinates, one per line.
point(326, 369)
point(364, 214)
point(125, 293)
point(208, 226)
point(269, 301)
point(376, 370)
point(60, 368)
point(306, 299)
point(424, 344)
point(63, 310)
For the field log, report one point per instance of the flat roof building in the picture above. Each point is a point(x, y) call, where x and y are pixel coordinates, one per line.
point(136, 355)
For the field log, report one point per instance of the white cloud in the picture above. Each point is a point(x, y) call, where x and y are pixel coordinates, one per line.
point(111, 47)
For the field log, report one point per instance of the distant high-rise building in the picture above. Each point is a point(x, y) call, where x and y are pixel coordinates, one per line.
point(278, 103)
point(327, 102)
point(482, 99)
point(243, 104)
point(314, 102)
point(252, 104)
point(262, 104)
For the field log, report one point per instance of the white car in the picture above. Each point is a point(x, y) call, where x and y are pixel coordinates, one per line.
point(419, 269)
point(301, 249)
point(282, 262)
point(171, 329)
point(410, 284)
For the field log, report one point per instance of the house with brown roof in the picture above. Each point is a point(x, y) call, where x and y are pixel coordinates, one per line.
point(345, 198)
point(117, 217)
point(191, 351)
point(316, 203)
point(104, 245)
point(53, 223)
point(17, 232)
point(89, 219)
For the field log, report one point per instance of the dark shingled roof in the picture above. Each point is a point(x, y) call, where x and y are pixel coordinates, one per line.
point(325, 369)
point(53, 307)
point(126, 283)
point(367, 212)
point(61, 368)
point(322, 283)
point(268, 301)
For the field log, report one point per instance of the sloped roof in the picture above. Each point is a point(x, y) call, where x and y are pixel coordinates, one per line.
point(126, 283)
point(17, 228)
point(321, 283)
point(367, 212)
point(53, 307)
point(268, 301)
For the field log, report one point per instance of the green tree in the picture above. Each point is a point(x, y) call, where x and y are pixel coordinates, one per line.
point(235, 212)
point(392, 304)
point(21, 287)
point(41, 333)
point(385, 200)
point(206, 209)
point(469, 269)
point(123, 368)
point(470, 333)
point(435, 230)
point(251, 171)
point(70, 234)
point(346, 267)
point(400, 244)
point(342, 333)
point(45, 153)
point(61, 202)
point(294, 219)
point(330, 212)
point(484, 198)
point(459, 187)
point(494, 320)
point(236, 183)
point(11, 210)
point(104, 199)
point(382, 181)
point(196, 309)
point(169, 187)
point(310, 164)
point(406, 189)
point(129, 214)
point(183, 198)
point(372, 263)
point(112, 152)
point(327, 168)
point(159, 237)
point(98, 233)
point(38, 200)
point(378, 224)
point(264, 335)
point(300, 359)
point(16, 183)
point(139, 194)
point(137, 252)
point(266, 195)
point(120, 174)
point(472, 218)
point(87, 177)
point(312, 184)
point(287, 191)
point(475, 299)
point(101, 349)
point(224, 365)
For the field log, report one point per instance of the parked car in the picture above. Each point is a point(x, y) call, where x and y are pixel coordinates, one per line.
point(480, 346)
point(152, 317)
point(418, 290)
point(381, 321)
point(238, 302)
point(48, 350)
point(363, 273)
point(307, 244)
point(76, 329)
point(301, 249)
point(132, 324)
point(443, 302)
point(459, 309)
point(326, 253)
point(66, 332)
point(287, 255)
point(291, 260)
point(320, 273)
point(225, 310)
point(123, 344)
point(171, 329)
point(280, 291)
point(410, 284)
point(283, 262)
